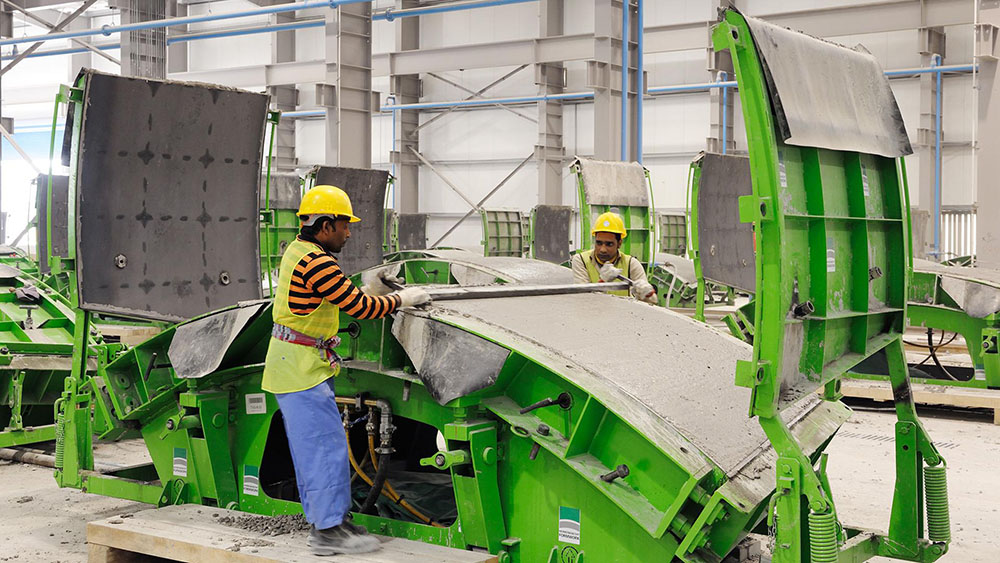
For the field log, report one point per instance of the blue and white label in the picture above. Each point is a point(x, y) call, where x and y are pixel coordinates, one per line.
point(251, 480)
point(180, 462)
point(831, 255)
point(569, 525)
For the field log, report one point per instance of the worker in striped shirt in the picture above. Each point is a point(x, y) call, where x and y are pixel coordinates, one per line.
point(302, 361)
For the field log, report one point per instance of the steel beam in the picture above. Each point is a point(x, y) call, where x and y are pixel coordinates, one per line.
point(406, 89)
point(177, 52)
point(144, 51)
point(49, 25)
point(988, 143)
point(474, 95)
point(284, 97)
point(444, 178)
point(550, 79)
point(931, 48)
point(55, 29)
point(482, 201)
point(515, 290)
point(348, 81)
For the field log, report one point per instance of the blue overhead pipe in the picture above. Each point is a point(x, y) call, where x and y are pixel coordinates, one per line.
point(723, 75)
point(390, 14)
point(640, 82)
point(108, 30)
point(490, 101)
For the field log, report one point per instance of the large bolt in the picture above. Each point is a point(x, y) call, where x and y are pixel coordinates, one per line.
point(620, 471)
point(543, 429)
point(534, 451)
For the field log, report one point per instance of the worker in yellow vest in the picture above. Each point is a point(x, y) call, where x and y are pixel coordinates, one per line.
point(605, 262)
point(302, 361)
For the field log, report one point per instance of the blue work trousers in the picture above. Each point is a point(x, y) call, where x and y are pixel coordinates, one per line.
point(319, 452)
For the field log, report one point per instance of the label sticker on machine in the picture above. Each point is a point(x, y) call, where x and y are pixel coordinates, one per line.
point(180, 462)
point(831, 256)
point(864, 180)
point(782, 175)
point(256, 403)
point(251, 480)
point(569, 525)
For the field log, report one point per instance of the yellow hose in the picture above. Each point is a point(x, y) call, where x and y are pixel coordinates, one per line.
point(387, 489)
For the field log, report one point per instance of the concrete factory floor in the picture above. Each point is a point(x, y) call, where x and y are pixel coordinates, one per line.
point(39, 522)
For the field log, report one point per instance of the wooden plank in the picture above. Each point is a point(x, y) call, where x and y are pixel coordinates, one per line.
point(190, 533)
point(925, 394)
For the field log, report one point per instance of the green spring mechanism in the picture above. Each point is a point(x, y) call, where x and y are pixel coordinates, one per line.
point(823, 537)
point(60, 443)
point(936, 491)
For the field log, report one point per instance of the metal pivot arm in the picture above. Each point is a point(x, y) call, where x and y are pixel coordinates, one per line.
point(819, 310)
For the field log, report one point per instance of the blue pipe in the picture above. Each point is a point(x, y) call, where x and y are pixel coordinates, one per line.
point(723, 75)
point(237, 32)
point(932, 69)
point(108, 30)
point(490, 101)
point(640, 82)
point(390, 14)
point(626, 5)
point(937, 158)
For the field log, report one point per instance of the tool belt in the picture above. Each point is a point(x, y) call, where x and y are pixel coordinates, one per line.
point(326, 346)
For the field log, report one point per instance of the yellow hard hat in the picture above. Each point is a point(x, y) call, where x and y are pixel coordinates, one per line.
point(609, 223)
point(324, 200)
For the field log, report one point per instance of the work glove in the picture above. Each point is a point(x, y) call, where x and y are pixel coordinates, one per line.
point(375, 281)
point(644, 291)
point(609, 273)
point(413, 296)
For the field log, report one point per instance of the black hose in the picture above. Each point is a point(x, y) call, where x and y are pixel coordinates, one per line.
point(383, 470)
point(933, 351)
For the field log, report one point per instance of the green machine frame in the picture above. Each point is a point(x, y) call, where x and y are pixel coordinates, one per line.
point(822, 308)
point(639, 220)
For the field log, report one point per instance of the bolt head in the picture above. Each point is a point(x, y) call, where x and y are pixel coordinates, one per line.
point(439, 460)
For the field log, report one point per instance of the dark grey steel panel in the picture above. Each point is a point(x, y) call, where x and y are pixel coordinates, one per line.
point(826, 95)
point(168, 178)
point(607, 182)
point(551, 233)
point(725, 245)
point(286, 190)
point(450, 362)
point(367, 191)
point(412, 231)
point(199, 346)
point(60, 201)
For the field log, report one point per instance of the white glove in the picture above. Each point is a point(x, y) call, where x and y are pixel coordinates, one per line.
point(644, 291)
point(374, 281)
point(609, 273)
point(413, 296)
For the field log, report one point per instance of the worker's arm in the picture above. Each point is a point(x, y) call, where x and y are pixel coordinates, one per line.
point(579, 269)
point(322, 278)
point(641, 288)
point(636, 272)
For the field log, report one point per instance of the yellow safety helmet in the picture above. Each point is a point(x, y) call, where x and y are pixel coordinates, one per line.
point(609, 223)
point(325, 201)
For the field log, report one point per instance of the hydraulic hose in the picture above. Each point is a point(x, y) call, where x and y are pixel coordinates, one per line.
point(391, 492)
point(369, 506)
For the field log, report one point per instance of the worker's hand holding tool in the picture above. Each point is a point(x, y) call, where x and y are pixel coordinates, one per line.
point(413, 296)
point(644, 291)
point(609, 273)
point(380, 282)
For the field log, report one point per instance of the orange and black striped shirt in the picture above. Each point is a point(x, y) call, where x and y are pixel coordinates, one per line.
point(317, 276)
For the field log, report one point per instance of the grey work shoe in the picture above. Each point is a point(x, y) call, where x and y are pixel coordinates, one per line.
point(340, 539)
point(356, 528)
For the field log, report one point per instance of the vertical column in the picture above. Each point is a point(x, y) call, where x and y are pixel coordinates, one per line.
point(284, 97)
point(720, 65)
point(605, 75)
point(550, 79)
point(347, 93)
point(144, 52)
point(988, 146)
point(78, 61)
point(177, 54)
point(406, 90)
point(931, 53)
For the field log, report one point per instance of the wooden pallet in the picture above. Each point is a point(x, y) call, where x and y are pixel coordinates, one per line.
point(191, 533)
point(926, 394)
